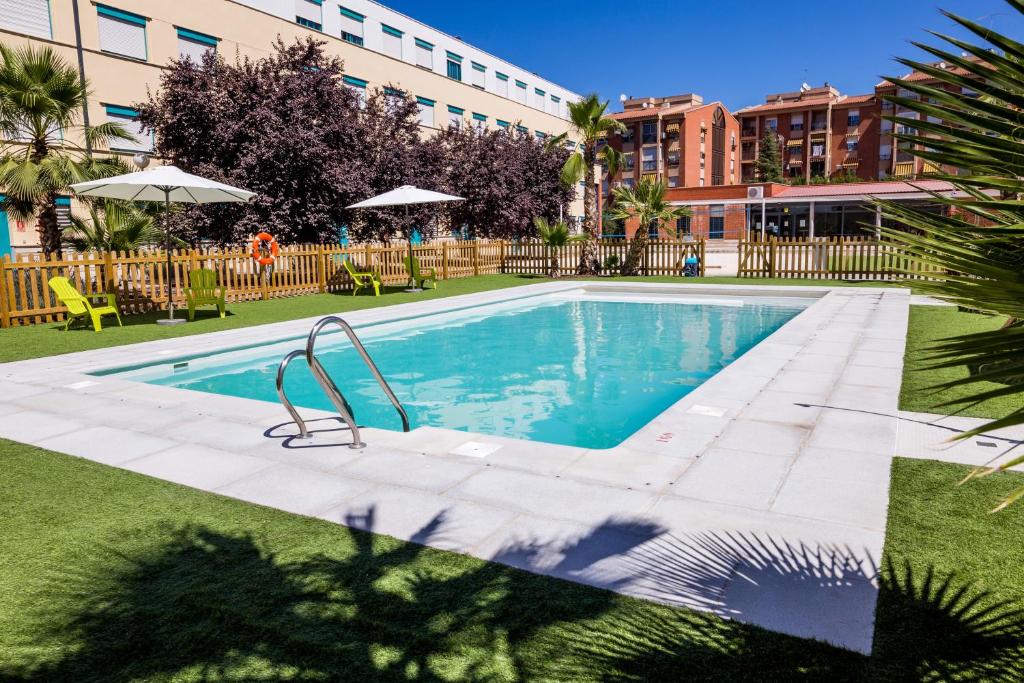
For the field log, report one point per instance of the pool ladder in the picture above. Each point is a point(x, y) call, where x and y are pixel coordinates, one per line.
point(327, 384)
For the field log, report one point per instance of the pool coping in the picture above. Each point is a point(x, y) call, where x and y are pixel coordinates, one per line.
point(772, 472)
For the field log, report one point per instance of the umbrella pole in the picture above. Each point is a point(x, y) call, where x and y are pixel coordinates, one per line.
point(408, 236)
point(167, 246)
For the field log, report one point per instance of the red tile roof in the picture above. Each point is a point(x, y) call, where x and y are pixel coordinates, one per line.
point(654, 112)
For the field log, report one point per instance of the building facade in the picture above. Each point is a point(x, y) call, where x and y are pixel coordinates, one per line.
point(123, 45)
point(822, 133)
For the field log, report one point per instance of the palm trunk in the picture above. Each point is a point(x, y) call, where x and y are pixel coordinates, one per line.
point(636, 252)
point(589, 264)
point(554, 262)
point(49, 229)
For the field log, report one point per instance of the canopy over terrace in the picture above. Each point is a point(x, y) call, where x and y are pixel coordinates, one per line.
point(787, 211)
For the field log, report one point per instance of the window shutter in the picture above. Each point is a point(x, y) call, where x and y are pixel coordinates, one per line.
point(122, 35)
point(31, 17)
point(351, 22)
point(392, 45)
point(310, 11)
point(142, 140)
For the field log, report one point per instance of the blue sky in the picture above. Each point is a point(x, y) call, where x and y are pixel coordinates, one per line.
point(736, 51)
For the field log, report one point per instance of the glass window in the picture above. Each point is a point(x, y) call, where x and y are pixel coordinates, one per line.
point(539, 98)
point(194, 45)
point(628, 161)
point(479, 76)
point(853, 117)
point(424, 54)
point(683, 226)
point(455, 115)
point(716, 222)
point(309, 13)
point(627, 135)
point(502, 83)
point(141, 140)
point(673, 158)
point(358, 88)
point(31, 17)
point(351, 26)
point(650, 158)
point(885, 152)
point(479, 121)
point(796, 122)
point(673, 181)
point(391, 41)
point(426, 111)
point(122, 33)
point(717, 148)
point(520, 94)
point(771, 124)
point(649, 134)
point(454, 66)
point(851, 144)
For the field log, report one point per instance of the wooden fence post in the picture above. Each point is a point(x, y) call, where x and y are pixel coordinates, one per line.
point(476, 257)
point(771, 257)
point(321, 268)
point(444, 261)
point(701, 255)
point(108, 273)
point(5, 311)
point(501, 256)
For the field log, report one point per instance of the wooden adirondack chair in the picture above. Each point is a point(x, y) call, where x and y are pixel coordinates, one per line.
point(203, 291)
point(421, 275)
point(80, 307)
point(362, 280)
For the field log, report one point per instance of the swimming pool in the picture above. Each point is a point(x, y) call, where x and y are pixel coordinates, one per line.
point(572, 368)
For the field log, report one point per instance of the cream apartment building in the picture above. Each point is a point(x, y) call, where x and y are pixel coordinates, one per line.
point(122, 45)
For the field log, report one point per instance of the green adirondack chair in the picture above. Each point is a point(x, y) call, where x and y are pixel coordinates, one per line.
point(421, 276)
point(362, 280)
point(80, 307)
point(203, 291)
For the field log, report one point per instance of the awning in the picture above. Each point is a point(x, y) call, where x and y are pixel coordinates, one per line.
point(929, 167)
point(851, 163)
point(904, 170)
point(796, 162)
point(672, 128)
point(819, 133)
point(795, 143)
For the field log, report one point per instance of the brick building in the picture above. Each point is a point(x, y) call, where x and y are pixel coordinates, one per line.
point(823, 133)
point(679, 140)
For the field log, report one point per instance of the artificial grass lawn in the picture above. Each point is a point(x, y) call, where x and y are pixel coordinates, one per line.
point(109, 575)
point(37, 341)
point(927, 325)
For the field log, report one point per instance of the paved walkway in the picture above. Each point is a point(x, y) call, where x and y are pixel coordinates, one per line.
point(928, 436)
point(746, 498)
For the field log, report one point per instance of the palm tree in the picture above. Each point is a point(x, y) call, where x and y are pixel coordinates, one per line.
point(590, 123)
point(645, 202)
point(41, 98)
point(611, 160)
point(974, 252)
point(554, 236)
point(112, 226)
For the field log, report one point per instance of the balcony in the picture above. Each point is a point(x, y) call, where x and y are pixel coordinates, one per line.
point(819, 126)
point(650, 166)
point(748, 133)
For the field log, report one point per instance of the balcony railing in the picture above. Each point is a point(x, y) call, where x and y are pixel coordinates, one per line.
point(819, 125)
point(650, 166)
point(749, 133)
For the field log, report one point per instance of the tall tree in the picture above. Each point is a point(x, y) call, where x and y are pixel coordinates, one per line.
point(768, 166)
point(284, 126)
point(507, 178)
point(646, 203)
point(589, 123)
point(978, 268)
point(41, 99)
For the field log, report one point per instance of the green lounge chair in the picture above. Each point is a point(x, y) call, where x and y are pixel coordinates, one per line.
point(80, 307)
point(421, 275)
point(362, 280)
point(203, 291)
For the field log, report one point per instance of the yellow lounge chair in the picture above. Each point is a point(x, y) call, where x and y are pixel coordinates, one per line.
point(362, 280)
point(79, 306)
point(203, 291)
point(421, 275)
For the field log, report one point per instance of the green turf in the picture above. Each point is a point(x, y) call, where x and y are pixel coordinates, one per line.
point(927, 325)
point(36, 341)
point(109, 575)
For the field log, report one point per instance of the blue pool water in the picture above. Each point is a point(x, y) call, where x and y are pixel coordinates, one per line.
point(568, 371)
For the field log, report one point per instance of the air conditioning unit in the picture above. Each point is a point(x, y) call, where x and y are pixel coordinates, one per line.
point(756, 192)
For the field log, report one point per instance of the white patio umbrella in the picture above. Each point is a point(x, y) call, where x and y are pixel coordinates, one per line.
point(163, 184)
point(404, 196)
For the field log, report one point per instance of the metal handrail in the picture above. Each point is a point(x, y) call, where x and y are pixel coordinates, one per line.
point(328, 384)
point(284, 398)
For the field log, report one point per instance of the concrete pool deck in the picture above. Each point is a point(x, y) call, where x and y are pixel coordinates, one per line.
point(760, 496)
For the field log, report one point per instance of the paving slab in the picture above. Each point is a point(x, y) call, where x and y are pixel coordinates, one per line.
point(197, 466)
point(735, 477)
point(294, 489)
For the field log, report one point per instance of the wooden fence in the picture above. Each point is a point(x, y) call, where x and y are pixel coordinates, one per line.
point(829, 259)
point(141, 282)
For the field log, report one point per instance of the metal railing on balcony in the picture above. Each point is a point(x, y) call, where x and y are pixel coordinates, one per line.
point(748, 133)
point(650, 166)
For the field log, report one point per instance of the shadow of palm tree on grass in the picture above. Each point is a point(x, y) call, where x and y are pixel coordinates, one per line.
point(202, 604)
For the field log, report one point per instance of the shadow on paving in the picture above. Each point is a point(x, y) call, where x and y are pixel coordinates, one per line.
point(202, 605)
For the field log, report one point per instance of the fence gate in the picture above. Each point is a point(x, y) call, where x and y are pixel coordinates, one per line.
point(755, 259)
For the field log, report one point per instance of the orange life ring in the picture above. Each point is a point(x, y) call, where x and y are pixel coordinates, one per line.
point(257, 243)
